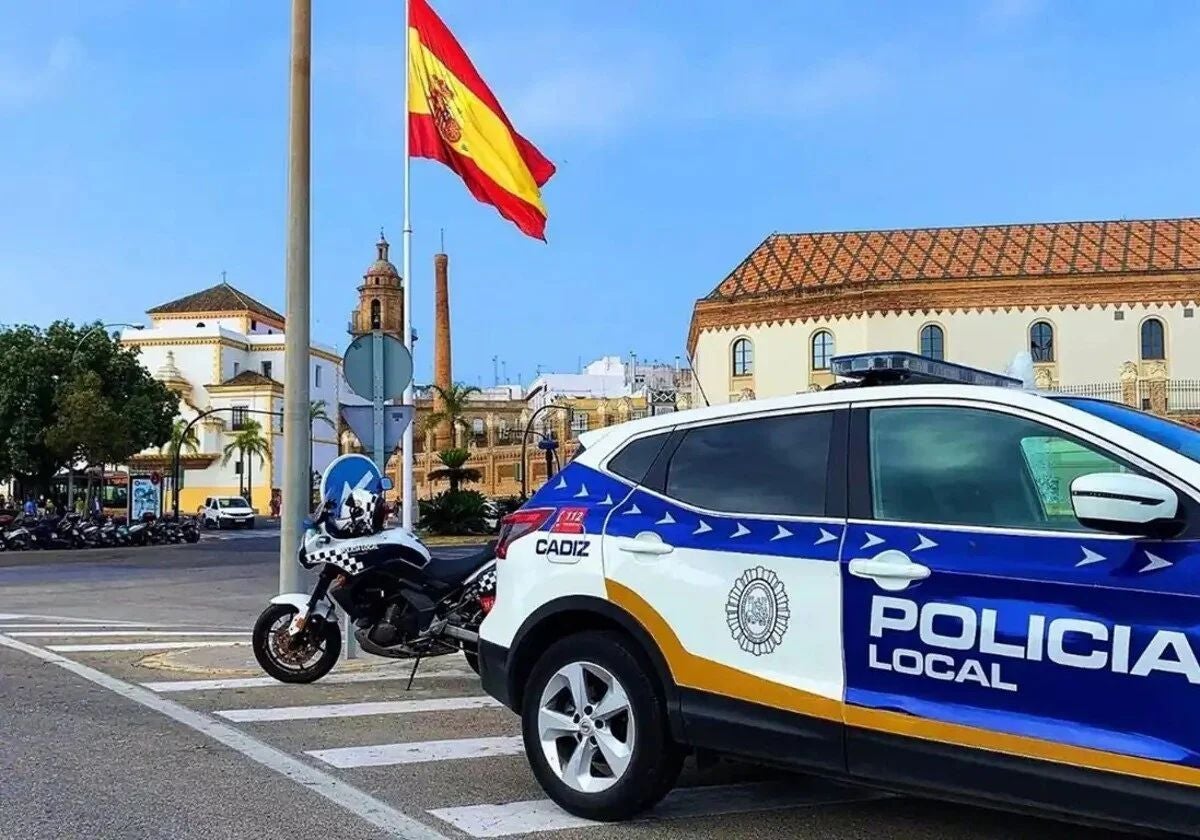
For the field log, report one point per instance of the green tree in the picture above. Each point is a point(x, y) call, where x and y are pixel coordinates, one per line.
point(318, 412)
point(454, 470)
point(247, 442)
point(43, 371)
point(455, 402)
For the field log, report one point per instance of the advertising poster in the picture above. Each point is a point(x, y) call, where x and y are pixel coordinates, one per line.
point(145, 496)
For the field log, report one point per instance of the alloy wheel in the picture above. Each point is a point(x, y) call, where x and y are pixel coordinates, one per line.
point(586, 727)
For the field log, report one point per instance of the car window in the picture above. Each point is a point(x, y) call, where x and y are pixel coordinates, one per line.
point(769, 465)
point(966, 466)
point(633, 462)
point(232, 503)
point(1175, 436)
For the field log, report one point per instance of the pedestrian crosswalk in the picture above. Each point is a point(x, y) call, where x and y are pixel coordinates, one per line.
point(460, 752)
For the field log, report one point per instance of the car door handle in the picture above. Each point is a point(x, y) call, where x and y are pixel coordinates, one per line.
point(644, 545)
point(888, 569)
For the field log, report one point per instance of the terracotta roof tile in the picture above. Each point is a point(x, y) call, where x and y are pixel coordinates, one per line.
point(789, 263)
point(249, 377)
point(219, 298)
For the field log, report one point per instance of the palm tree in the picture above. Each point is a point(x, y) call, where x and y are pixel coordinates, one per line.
point(452, 468)
point(248, 442)
point(183, 440)
point(454, 401)
point(317, 412)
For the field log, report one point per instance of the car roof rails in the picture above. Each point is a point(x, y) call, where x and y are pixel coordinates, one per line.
point(902, 368)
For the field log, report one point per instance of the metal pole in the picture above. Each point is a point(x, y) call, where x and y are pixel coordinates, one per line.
point(406, 469)
point(296, 426)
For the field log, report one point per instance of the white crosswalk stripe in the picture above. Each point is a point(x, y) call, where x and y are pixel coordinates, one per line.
point(173, 686)
point(341, 710)
point(103, 648)
point(64, 634)
point(93, 625)
point(544, 815)
point(418, 752)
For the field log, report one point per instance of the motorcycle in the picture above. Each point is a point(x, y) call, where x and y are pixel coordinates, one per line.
point(403, 602)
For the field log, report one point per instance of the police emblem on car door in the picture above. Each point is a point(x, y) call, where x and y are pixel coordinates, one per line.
point(733, 545)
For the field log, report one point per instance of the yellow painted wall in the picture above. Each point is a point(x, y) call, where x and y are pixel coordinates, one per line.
point(191, 498)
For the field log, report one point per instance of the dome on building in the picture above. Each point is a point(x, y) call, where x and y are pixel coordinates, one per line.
point(171, 376)
point(382, 268)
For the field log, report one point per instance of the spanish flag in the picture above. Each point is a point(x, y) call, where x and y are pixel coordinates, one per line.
point(454, 118)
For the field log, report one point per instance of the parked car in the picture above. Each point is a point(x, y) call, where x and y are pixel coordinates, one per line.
point(226, 512)
point(910, 580)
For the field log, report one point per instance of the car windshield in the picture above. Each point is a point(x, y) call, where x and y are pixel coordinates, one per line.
point(1174, 436)
point(232, 503)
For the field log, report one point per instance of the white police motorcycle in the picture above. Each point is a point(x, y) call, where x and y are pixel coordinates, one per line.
point(403, 602)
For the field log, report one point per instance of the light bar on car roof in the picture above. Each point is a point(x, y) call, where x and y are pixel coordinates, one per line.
point(899, 367)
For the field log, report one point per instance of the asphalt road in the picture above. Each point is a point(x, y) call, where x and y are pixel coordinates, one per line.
point(88, 750)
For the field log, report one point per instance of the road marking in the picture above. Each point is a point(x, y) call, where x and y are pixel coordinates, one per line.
point(63, 634)
point(419, 752)
point(144, 646)
point(544, 815)
point(91, 625)
point(357, 802)
point(340, 710)
point(169, 686)
point(10, 616)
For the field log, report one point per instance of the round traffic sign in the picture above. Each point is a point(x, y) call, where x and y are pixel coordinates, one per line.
point(358, 366)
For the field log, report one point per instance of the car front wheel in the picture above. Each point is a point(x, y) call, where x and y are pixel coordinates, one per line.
point(595, 728)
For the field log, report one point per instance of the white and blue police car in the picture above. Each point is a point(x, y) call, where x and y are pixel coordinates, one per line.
point(941, 583)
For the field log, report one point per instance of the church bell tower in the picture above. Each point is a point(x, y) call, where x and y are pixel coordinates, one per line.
point(380, 297)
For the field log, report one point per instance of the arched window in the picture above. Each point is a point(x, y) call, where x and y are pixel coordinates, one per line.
point(1154, 340)
point(933, 342)
point(822, 350)
point(375, 323)
point(743, 357)
point(1041, 342)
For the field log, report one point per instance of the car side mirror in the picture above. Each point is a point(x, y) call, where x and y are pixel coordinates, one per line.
point(1122, 503)
point(386, 483)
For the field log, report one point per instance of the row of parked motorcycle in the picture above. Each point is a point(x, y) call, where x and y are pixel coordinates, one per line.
point(25, 533)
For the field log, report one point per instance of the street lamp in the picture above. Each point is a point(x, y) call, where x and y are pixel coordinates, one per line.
point(96, 329)
point(71, 364)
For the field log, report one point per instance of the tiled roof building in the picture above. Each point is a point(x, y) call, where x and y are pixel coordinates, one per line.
point(822, 279)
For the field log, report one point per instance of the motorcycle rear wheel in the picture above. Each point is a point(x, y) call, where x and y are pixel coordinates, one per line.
point(266, 640)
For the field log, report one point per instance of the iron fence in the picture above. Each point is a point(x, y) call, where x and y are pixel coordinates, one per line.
point(1183, 395)
point(1096, 390)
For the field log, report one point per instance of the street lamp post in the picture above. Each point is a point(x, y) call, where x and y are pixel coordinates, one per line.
point(525, 440)
point(70, 366)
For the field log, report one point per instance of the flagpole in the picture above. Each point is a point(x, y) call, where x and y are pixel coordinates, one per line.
point(297, 424)
point(406, 470)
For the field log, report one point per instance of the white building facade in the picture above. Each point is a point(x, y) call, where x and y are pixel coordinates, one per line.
point(1095, 304)
point(221, 349)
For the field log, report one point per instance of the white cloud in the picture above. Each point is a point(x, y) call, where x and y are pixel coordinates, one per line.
point(24, 83)
point(762, 89)
point(1007, 12)
point(561, 83)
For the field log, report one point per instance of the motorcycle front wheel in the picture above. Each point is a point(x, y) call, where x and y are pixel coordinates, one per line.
point(295, 659)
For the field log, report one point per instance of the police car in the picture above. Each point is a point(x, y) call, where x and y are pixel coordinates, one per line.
point(925, 578)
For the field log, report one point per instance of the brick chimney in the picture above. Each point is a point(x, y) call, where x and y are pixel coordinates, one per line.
point(441, 343)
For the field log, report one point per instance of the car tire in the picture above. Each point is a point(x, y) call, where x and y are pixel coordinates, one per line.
point(250, 523)
point(586, 783)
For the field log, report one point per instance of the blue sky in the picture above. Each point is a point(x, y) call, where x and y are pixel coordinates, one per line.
point(142, 148)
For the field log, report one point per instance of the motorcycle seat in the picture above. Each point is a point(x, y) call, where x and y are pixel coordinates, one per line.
point(452, 568)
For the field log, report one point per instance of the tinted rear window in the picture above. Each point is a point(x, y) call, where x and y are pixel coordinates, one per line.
point(633, 462)
point(770, 465)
